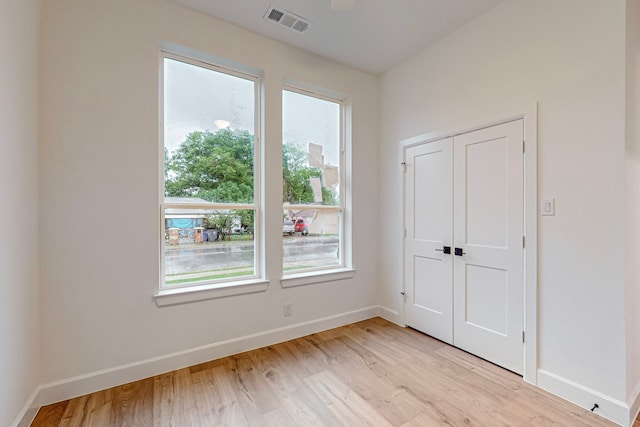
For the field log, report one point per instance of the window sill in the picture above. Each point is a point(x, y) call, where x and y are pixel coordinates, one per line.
point(185, 295)
point(310, 278)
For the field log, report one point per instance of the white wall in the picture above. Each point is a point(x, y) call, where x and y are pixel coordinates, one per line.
point(569, 56)
point(19, 299)
point(99, 189)
point(633, 203)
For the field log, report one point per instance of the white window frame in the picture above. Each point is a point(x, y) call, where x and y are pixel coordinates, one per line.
point(215, 288)
point(343, 269)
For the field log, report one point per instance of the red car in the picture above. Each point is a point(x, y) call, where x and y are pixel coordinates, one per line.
point(301, 226)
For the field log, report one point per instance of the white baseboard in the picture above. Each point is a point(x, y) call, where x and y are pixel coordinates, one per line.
point(634, 405)
point(47, 394)
point(391, 315)
point(29, 411)
point(608, 407)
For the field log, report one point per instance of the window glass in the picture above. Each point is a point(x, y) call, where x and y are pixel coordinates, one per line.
point(209, 177)
point(312, 182)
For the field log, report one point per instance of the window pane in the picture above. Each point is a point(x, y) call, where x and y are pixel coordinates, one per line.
point(208, 134)
point(209, 154)
point(311, 177)
point(208, 245)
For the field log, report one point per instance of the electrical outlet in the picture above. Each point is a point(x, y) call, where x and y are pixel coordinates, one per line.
point(288, 309)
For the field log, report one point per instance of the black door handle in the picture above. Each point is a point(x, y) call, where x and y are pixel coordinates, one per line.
point(458, 252)
point(445, 249)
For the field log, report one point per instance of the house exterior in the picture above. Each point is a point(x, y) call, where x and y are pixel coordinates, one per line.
point(320, 222)
point(184, 218)
point(80, 134)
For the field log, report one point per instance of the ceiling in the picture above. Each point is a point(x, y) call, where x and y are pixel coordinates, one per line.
point(372, 35)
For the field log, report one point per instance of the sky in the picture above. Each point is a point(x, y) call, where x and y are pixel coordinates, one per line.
point(195, 97)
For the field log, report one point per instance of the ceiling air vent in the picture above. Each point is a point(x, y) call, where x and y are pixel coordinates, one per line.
point(287, 19)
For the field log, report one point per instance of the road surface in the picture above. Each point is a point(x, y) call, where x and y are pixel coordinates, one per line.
point(209, 257)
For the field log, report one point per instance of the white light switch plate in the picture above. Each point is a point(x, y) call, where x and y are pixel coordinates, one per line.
point(548, 207)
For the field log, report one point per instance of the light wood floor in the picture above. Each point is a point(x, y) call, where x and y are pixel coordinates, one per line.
point(370, 373)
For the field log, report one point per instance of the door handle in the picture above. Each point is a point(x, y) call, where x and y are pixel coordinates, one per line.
point(458, 252)
point(445, 249)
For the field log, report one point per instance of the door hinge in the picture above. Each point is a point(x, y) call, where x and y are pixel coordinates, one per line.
point(522, 336)
point(404, 233)
point(523, 242)
point(523, 144)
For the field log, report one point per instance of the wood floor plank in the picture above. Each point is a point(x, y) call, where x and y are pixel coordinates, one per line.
point(309, 409)
point(301, 357)
point(76, 412)
point(277, 373)
point(132, 404)
point(165, 404)
point(251, 388)
point(98, 410)
point(367, 373)
point(382, 348)
point(174, 402)
point(51, 416)
point(278, 417)
point(348, 407)
point(359, 370)
point(216, 397)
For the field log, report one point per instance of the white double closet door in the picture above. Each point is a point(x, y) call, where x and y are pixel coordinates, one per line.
point(464, 256)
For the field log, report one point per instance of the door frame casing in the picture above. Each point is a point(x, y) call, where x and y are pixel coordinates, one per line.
point(530, 321)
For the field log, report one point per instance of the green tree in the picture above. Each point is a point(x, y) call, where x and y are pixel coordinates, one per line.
point(246, 219)
point(329, 197)
point(221, 221)
point(296, 175)
point(217, 167)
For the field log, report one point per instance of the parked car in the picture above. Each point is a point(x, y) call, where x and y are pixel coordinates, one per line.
point(302, 226)
point(288, 228)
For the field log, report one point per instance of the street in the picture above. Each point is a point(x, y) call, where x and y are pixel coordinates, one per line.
point(192, 261)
